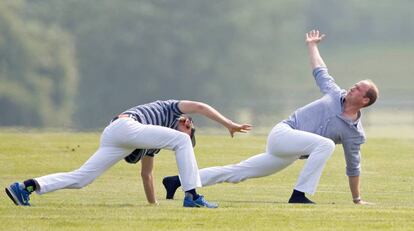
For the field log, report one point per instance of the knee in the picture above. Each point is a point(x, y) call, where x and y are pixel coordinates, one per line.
point(329, 145)
point(182, 140)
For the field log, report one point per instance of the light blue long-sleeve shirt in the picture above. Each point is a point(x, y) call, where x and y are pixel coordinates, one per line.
point(324, 117)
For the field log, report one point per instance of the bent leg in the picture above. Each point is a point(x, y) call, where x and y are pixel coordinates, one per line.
point(256, 166)
point(150, 136)
point(311, 173)
point(285, 141)
point(117, 141)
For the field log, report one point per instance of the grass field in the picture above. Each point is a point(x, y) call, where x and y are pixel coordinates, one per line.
point(116, 200)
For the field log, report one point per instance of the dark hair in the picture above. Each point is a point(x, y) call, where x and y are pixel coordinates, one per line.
point(372, 93)
point(193, 139)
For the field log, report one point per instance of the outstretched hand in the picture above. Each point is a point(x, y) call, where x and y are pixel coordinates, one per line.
point(314, 36)
point(234, 127)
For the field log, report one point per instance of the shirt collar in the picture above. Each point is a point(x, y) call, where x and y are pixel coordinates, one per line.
point(348, 121)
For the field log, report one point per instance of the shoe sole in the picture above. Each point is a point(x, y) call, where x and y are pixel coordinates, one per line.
point(12, 196)
point(198, 206)
point(304, 203)
point(195, 205)
point(191, 206)
point(205, 206)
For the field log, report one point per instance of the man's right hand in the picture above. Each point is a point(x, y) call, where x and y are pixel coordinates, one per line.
point(314, 36)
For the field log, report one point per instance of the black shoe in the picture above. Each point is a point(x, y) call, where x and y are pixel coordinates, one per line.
point(300, 200)
point(171, 184)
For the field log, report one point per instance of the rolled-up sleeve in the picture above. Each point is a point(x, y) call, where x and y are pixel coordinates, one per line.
point(325, 82)
point(352, 157)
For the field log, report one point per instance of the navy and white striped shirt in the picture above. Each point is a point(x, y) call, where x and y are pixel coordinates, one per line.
point(161, 113)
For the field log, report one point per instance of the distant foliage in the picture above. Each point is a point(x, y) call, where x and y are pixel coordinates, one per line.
point(38, 73)
point(247, 58)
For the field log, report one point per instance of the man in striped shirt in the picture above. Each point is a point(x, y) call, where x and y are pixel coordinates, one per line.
point(146, 129)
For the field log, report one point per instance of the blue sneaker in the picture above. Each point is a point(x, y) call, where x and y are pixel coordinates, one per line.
point(200, 202)
point(17, 195)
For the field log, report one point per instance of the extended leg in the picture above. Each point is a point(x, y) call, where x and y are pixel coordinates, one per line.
point(256, 166)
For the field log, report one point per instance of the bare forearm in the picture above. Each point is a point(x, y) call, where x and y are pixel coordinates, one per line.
point(315, 57)
point(206, 110)
point(354, 187)
point(213, 114)
point(356, 196)
point(149, 188)
point(148, 178)
point(189, 107)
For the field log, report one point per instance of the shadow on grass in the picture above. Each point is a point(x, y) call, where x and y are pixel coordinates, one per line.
point(273, 202)
point(253, 202)
point(92, 205)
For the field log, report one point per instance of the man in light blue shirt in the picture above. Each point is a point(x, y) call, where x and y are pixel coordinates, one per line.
point(310, 132)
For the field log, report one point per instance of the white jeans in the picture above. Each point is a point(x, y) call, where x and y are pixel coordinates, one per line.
point(118, 140)
point(284, 146)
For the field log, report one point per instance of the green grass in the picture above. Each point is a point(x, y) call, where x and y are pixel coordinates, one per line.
point(116, 200)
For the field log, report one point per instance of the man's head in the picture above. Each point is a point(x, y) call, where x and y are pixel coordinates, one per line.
point(363, 94)
point(185, 124)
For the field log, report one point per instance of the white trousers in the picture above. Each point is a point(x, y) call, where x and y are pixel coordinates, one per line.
point(118, 140)
point(284, 146)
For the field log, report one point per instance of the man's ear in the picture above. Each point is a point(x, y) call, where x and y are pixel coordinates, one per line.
point(187, 123)
point(366, 100)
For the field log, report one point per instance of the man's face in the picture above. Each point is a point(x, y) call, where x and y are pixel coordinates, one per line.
point(357, 93)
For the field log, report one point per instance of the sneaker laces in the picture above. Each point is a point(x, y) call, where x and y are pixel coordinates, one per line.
point(205, 202)
point(25, 195)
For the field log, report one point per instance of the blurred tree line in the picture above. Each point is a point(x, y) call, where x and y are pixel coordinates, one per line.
point(77, 63)
point(38, 73)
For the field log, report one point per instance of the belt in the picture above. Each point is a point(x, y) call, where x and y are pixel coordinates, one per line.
point(126, 115)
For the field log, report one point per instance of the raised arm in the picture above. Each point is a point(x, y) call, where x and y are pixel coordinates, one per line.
point(313, 37)
point(325, 82)
point(189, 107)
